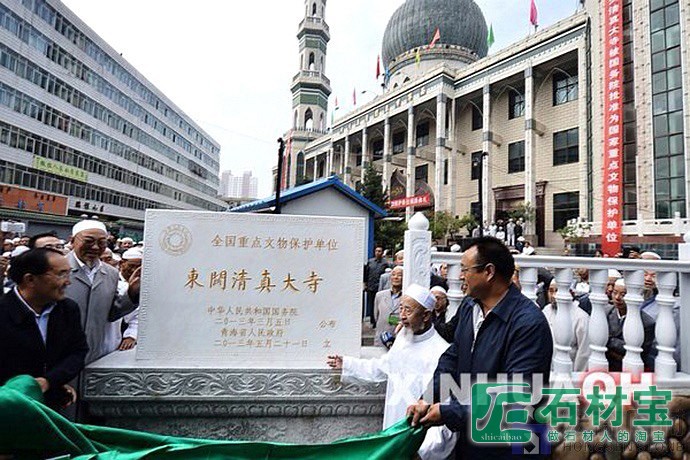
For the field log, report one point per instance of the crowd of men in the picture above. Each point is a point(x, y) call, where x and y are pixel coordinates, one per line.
point(65, 305)
point(495, 329)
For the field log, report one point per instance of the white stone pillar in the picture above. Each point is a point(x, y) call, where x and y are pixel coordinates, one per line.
point(530, 151)
point(563, 325)
point(452, 162)
point(387, 154)
point(665, 331)
point(528, 282)
point(598, 322)
point(316, 167)
point(346, 164)
point(417, 265)
point(633, 330)
point(454, 289)
point(487, 193)
point(330, 168)
point(365, 152)
point(411, 151)
point(440, 147)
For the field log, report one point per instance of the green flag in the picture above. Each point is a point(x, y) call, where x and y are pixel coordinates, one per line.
point(29, 429)
point(490, 38)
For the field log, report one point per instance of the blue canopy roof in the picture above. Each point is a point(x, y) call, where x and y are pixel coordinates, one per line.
point(307, 189)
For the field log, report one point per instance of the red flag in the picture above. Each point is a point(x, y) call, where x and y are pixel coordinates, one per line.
point(354, 96)
point(336, 102)
point(437, 37)
point(533, 13)
point(378, 67)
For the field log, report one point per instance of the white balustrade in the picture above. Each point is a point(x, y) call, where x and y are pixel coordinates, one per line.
point(670, 274)
point(633, 330)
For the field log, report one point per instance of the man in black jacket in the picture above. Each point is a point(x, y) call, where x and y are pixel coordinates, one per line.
point(40, 329)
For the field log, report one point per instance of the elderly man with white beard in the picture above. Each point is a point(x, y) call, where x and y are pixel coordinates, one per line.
point(408, 368)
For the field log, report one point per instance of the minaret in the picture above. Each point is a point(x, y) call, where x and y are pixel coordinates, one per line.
point(310, 87)
point(310, 90)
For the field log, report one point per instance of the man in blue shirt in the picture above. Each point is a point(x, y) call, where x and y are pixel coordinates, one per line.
point(502, 332)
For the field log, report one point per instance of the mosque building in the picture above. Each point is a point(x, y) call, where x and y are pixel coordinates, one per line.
point(527, 121)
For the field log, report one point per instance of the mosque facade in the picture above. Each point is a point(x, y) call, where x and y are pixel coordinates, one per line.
point(528, 120)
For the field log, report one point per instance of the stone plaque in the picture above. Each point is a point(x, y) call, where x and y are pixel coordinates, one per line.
point(249, 290)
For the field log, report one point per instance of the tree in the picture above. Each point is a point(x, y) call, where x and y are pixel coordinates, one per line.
point(468, 222)
point(525, 211)
point(442, 224)
point(389, 234)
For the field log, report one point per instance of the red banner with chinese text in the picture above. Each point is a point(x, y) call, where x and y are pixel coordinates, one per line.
point(613, 126)
point(417, 201)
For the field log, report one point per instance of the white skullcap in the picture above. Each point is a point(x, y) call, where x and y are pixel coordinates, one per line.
point(613, 273)
point(18, 250)
point(397, 267)
point(7, 254)
point(422, 295)
point(88, 225)
point(521, 238)
point(8, 241)
point(133, 253)
point(127, 239)
point(439, 289)
point(116, 256)
point(650, 255)
point(455, 248)
point(16, 240)
point(620, 282)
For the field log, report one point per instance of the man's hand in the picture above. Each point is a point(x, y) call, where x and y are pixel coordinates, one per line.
point(127, 344)
point(335, 361)
point(71, 397)
point(425, 414)
point(45, 386)
point(134, 285)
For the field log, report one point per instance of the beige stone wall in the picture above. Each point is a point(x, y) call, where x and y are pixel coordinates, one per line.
point(468, 141)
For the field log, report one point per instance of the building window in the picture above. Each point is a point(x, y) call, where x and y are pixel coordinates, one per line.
point(445, 171)
point(477, 118)
point(399, 142)
point(516, 104)
point(421, 173)
point(667, 109)
point(377, 147)
point(564, 88)
point(566, 147)
point(476, 158)
point(423, 134)
point(566, 206)
point(358, 156)
point(516, 157)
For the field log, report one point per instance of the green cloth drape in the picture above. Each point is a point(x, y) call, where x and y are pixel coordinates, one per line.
point(31, 430)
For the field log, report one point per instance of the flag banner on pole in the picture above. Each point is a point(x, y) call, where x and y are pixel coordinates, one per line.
point(437, 37)
point(386, 76)
point(378, 67)
point(533, 14)
point(490, 38)
point(612, 34)
point(32, 430)
point(354, 96)
point(417, 57)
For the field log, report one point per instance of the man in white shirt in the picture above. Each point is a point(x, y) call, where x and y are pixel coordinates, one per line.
point(408, 367)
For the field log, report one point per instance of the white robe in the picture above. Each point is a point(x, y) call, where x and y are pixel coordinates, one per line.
point(408, 368)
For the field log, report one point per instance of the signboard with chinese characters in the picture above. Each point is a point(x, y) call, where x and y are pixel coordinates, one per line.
point(60, 169)
point(417, 201)
point(613, 126)
point(250, 290)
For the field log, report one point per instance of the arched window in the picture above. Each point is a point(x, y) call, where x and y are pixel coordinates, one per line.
point(309, 120)
point(300, 168)
point(294, 125)
point(311, 61)
point(407, 79)
point(322, 123)
point(313, 9)
point(321, 68)
point(301, 62)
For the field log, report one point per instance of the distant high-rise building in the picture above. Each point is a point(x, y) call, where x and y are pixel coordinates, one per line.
point(244, 186)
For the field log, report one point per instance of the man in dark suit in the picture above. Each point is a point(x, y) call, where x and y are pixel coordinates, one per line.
point(501, 332)
point(40, 329)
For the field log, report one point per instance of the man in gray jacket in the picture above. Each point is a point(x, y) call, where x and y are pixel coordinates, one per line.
point(94, 286)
